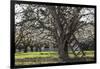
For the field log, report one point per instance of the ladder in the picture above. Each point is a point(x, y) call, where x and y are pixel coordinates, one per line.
point(76, 47)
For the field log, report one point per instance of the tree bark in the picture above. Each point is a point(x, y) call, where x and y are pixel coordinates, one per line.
point(63, 51)
point(31, 47)
point(25, 49)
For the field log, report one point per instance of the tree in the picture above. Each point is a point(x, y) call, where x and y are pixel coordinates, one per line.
point(55, 24)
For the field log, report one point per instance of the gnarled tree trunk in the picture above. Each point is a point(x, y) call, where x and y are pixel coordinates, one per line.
point(63, 50)
point(25, 49)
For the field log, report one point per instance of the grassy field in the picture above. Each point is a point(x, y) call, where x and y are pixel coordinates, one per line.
point(46, 54)
point(42, 57)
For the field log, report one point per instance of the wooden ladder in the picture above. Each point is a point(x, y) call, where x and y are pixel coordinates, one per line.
point(76, 47)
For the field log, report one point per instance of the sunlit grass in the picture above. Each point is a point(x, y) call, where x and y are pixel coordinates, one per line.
point(30, 58)
point(52, 54)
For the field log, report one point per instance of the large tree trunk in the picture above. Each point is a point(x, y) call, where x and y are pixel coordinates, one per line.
point(66, 48)
point(63, 53)
point(61, 36)
point(25, 49)
point(31, 47)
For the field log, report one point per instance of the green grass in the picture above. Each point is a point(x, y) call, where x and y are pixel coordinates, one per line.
point(30, 58)
point(53, 54)
point(22, 55)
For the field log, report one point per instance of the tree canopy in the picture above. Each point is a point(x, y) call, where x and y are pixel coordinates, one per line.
point(53, 26)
